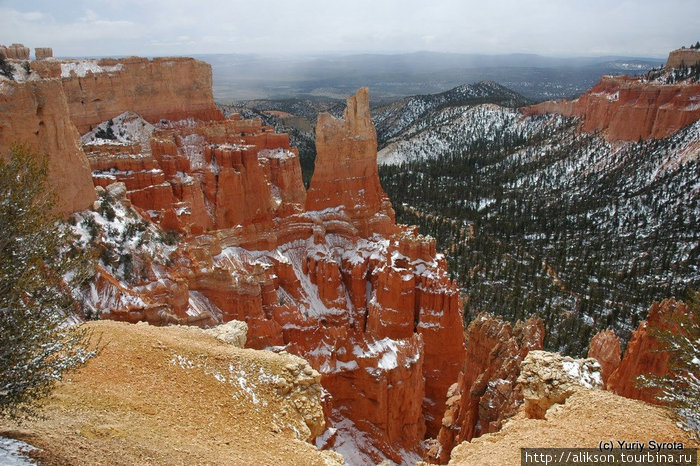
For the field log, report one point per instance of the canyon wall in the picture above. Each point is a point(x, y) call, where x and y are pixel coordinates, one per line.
point(630, 109)
point(643, 355)
point(34, 114)
point(160, 88)
point(683, 57)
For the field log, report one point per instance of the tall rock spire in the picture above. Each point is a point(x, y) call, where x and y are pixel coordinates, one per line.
point(346, 173)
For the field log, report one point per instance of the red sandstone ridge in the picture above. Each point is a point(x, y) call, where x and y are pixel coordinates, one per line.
point(642, 355)
point(161, 88)
point(35, 113)
point(346, 173)
point(605, 348)
point(487, 392)
point(628, 108)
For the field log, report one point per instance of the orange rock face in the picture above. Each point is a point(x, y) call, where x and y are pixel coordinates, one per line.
point(43, 52)
point(605, 348)
point(642, 355)
point(487, 392)
point(630, 109)
point(683, 57)
point(15, 51)
point(34, 114)
point(161, 88)
point(346, 172)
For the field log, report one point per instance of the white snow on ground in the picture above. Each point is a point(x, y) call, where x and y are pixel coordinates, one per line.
point(356, 446)
point(243, 378)
point(128, 128)
point(581, 374)
point(11, 452)
point(81, 68)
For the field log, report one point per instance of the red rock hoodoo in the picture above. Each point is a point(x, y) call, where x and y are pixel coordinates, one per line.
point(643, 355)
point(161, 88)
point(346, 172)
point(605, 348)
point(487, 392)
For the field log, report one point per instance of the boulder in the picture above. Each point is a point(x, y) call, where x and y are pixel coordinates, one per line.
point(233, 332)
point(549, 378)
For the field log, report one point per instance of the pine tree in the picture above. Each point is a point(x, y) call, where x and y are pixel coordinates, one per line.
point(36, 348)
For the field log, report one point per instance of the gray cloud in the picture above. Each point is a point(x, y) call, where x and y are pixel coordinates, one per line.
point(176, 27)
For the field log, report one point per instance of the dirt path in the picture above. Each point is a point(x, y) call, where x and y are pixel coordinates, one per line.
point(157, 396)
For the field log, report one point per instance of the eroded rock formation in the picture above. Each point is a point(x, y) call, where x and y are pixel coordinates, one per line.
point(161, 88)
point(629, 109)
point(487, 392)
point(346, 172)
point(41, 53)
point(329, 277)
point(683, 57)
point(632, 108)
point(643, 355)
point(34, 113)
point(605, 348)
point(549, 378)
point(15, 52)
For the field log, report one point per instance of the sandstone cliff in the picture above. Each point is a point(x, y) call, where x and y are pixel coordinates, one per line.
point(15, 52)
point(35, 113)
point(161, 88)
point(630, 109)
point(683, 57)
point(643, 355)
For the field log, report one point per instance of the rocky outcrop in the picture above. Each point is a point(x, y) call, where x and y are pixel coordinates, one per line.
point(605, 348)
point(643, 354)
point(549, 378)
point(234, 332)
point(487, 392)
point(15, 52)
point(161, 88)
point(41, 53)
point(629, 109)
point(582, 421)
point(683, 57)
point(34, 113)
point(346, 172)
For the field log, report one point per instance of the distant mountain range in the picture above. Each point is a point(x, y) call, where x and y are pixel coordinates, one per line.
point(245, 77)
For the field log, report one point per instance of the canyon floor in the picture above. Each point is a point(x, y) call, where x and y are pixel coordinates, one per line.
point(155, 396)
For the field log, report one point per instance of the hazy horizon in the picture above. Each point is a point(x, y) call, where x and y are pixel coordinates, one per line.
point(638, 29)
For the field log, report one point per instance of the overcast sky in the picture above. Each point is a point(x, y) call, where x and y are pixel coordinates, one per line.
point(549, 27)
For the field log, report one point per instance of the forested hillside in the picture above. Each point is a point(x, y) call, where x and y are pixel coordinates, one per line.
point(537, 217)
